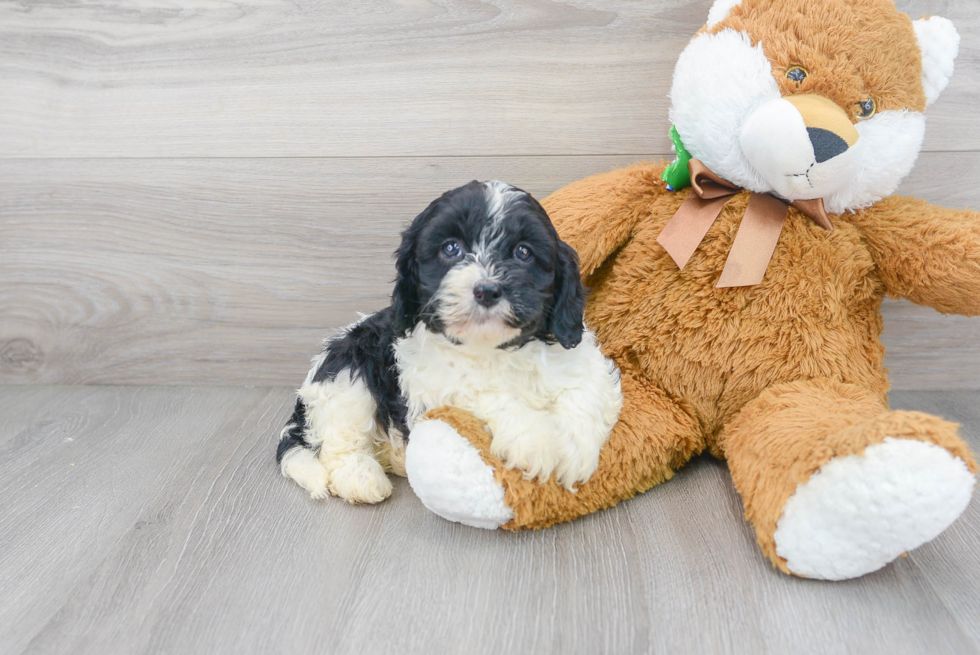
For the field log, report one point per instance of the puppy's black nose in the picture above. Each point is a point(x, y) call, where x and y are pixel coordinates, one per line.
point(487, 293)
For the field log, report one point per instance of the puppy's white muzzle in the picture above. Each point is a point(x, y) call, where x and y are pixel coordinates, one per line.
point(467, 317)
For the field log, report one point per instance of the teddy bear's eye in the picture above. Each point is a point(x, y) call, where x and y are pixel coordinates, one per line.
point(797, 74)
point(868, 108)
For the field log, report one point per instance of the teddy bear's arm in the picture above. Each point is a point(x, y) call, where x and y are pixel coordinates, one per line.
point(928, 254)
point(595, 216)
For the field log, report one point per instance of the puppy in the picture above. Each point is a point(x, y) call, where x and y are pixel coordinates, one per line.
point(486, 316)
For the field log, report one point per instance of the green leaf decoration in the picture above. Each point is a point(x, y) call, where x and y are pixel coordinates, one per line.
point(676, 175)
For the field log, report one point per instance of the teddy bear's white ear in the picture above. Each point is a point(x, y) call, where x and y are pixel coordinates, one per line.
point(719, 11)
point(940, 43)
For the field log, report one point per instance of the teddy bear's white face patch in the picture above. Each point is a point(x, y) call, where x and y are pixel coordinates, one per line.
point(719, 80)
point(889, 145)
point(728, 110)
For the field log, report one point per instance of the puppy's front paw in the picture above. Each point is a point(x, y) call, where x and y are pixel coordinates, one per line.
point(542, 446)
point(358, 479)
point(579, 460)
point(530, 446)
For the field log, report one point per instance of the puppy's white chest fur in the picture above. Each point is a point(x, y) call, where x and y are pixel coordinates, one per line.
point(549, 409)
point(435, 372)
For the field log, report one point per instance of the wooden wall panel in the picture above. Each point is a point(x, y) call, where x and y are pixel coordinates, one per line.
point(229, 271)
point(260, 78)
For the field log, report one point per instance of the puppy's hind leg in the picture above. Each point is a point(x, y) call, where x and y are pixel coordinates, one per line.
point(341, 415)
point(297, 459)
point(391, 452)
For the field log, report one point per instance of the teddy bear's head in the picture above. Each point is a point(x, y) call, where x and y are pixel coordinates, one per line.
point(811, 99)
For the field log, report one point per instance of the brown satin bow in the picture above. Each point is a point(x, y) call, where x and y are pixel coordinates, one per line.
point(757, 234)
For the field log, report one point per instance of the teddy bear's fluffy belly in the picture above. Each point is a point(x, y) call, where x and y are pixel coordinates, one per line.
point(816, 315)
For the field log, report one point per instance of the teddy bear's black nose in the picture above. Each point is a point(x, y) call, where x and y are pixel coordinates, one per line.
point(826, 144)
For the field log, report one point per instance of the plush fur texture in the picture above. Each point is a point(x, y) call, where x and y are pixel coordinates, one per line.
point(911, 490)
point(785, 378)
point(486, 316)
point(940, 44)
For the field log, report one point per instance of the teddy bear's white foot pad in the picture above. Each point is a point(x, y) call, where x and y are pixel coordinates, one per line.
point(858, 513)
point(451, 479)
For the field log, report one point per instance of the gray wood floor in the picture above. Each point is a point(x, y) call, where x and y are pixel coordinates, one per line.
point(153, 520)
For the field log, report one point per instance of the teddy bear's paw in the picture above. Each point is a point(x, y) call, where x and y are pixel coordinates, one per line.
point(451, 479)
point(857, 513)
point(358, 478)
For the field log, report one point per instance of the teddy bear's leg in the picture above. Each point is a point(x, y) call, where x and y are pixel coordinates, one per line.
point(836, 485)
point(447, 473)
point(451, 469)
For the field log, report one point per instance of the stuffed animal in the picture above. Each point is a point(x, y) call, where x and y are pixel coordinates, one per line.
point(743, 310)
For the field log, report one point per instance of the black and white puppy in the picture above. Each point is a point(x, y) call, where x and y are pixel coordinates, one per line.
point(486, 316)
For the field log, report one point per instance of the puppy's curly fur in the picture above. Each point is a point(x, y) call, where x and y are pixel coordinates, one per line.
point(486, 316)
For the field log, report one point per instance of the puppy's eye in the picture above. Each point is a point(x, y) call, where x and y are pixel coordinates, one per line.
point(522, 253)
point(451, 250)
point(797, 74)
point(868, 108)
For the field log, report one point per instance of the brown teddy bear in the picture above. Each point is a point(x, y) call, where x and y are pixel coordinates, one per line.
point(744, 312)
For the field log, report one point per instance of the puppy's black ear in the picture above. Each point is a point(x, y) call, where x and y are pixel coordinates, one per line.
point(568, 301)
point(405, 297)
